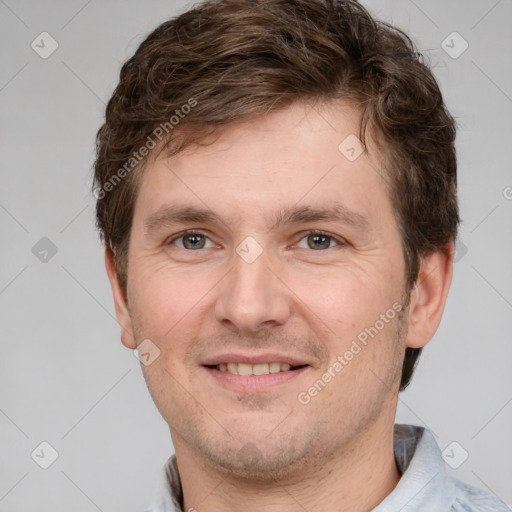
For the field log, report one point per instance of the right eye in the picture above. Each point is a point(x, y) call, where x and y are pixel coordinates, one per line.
point(190, 240)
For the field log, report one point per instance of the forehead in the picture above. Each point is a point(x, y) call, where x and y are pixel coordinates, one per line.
point(303, 157)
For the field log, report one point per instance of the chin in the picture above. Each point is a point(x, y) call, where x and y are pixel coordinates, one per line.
point(259, 462)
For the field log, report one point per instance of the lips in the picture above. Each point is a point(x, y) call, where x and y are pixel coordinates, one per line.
point(255, 373)
point(255, 359)
point(255, 369)
point(254, 364)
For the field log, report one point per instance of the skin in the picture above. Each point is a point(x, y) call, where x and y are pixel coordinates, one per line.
point(265, 449)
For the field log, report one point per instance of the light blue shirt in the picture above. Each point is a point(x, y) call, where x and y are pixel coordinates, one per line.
point(424, 485)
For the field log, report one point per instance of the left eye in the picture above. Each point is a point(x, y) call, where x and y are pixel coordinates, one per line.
point(318, 240)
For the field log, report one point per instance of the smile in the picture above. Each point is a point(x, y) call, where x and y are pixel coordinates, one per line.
point(254, 369)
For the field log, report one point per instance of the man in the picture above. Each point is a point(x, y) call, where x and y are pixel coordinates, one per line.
point(276, 184)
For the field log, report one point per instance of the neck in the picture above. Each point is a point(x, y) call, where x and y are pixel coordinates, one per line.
point(356, 480)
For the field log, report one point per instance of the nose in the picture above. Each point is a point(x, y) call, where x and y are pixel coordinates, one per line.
point(252, 297)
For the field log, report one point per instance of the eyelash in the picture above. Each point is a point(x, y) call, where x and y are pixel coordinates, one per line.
point(316, 232)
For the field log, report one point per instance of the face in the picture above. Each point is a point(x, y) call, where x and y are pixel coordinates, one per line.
point(275, 253)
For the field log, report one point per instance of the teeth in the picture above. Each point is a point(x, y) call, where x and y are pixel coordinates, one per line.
point(260, 369)
point(244, 369)
point(253, 369)
point(275, 367)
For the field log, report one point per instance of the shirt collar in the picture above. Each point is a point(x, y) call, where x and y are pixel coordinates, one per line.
point(424, 485)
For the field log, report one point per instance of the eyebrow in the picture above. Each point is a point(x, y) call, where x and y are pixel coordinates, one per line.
point(332, 212)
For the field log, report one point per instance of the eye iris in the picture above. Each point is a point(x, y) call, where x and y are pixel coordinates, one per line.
point(198, 241)
point(317, 238)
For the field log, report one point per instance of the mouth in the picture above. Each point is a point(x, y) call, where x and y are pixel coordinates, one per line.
point(255, 369)
point(250, 373)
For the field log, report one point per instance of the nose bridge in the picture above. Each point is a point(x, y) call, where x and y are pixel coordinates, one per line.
point(251, 295)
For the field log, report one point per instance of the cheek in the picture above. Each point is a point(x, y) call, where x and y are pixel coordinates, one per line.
point(162, 298)
point(356, 316)
point(344, 300)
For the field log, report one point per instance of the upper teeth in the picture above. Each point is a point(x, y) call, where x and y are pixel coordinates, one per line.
point(253, 369)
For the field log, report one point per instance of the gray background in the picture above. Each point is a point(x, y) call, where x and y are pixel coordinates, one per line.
point(66, 379)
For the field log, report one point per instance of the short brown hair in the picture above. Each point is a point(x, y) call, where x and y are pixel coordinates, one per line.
point(227, 60)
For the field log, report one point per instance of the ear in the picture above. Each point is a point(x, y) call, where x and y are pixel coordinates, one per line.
point(428, 298)
point(120, 302)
